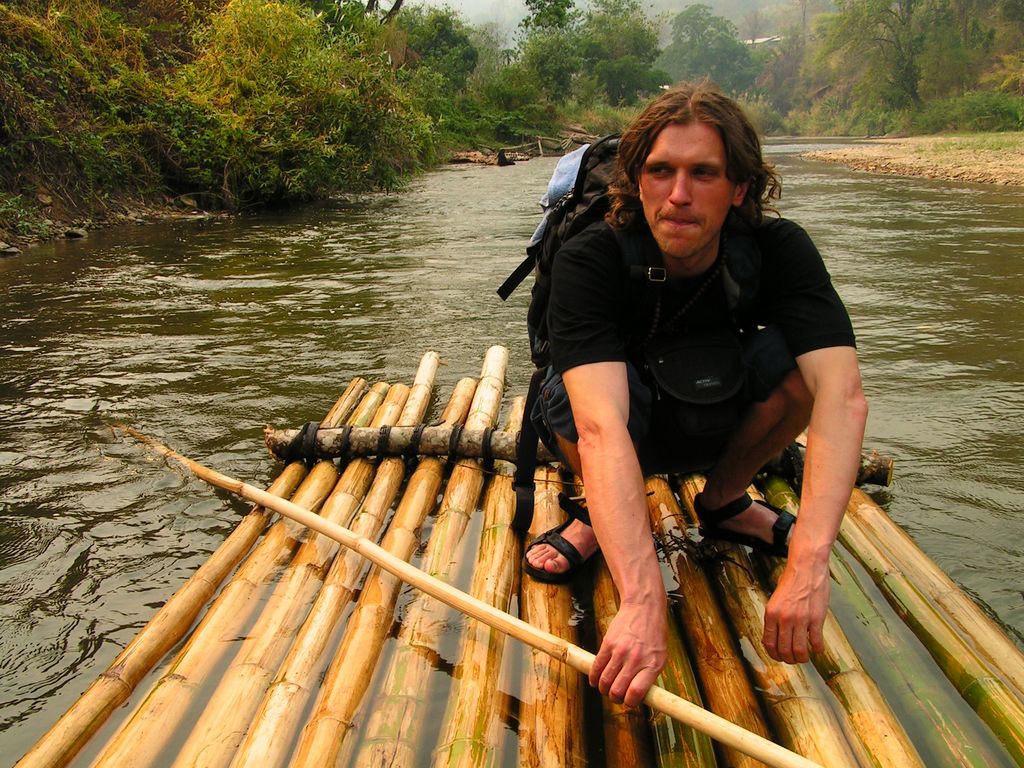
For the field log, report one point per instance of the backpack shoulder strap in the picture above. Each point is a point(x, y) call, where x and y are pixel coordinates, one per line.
point(647, 277)
point(741, 273)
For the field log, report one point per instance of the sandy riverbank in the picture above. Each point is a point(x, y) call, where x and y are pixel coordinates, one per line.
point(985, 158)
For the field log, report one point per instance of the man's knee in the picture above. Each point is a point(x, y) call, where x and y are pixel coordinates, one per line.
point(553, 417)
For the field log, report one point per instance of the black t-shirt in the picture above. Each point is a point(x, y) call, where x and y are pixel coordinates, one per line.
point(590, 319)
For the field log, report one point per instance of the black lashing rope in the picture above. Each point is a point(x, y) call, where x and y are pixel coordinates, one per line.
point(413, 448)
point(487, 449)
point(453, 441)
point(382, 440)
point(346, 442)
point(303, 445)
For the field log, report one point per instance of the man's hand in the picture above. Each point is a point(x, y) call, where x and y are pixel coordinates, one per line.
point(795, 614)
point(632, 654)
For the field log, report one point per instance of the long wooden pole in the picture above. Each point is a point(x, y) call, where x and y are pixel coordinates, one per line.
point(579, 659)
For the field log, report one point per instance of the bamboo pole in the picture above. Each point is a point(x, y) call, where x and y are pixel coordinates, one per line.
point(802, 719)
point(626, 738)
point(579, 659)
point(971, 621)
point(471, 726)
point(550, 718)
point(228, 713)
point(396, 722)
point(943, 727)
point(727, 688)
point(349, 674)
point(64, 740)
point(675, 744)
point(146, 734)
point(873, 720)
point(71, 732)
point(990, 697)
point(279, 717)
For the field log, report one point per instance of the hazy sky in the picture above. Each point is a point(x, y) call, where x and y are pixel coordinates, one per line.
point(504, 13)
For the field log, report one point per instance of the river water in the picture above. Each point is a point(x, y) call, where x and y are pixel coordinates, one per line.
point(200, 332)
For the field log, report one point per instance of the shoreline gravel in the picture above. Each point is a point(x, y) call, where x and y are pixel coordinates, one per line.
point(983, 158)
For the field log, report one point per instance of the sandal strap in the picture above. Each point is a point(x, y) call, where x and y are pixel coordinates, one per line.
point(559, 543)
point(723, 513)
point(781, 528)
point(574, 509)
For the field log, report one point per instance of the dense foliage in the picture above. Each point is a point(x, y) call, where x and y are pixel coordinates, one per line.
point(244, 102)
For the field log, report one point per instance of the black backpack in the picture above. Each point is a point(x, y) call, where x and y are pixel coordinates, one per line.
point(585, 203)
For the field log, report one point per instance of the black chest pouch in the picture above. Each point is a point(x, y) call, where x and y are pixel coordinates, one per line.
point(699, 379)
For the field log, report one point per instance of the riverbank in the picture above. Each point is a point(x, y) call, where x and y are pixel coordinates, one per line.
point(990, 158)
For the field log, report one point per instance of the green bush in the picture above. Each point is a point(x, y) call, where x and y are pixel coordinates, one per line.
point(303, 110)
point(978, 111)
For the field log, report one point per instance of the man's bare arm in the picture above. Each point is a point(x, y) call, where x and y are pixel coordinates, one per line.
point(633, 651)
point(796, 612)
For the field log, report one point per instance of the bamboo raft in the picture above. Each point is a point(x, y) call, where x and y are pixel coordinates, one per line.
point(286, 649)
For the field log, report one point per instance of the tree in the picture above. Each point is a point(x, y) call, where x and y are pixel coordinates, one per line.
point(705, 45)
point(552, 58)
point(549, 14)
point(619, 45)
point(881, 40)
point(441, 41)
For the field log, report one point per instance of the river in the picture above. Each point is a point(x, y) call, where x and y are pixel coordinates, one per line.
point(200, 332)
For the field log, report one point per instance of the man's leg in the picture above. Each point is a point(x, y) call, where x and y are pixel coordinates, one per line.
point(558, 423)
point(578, 533)
point(767, 428)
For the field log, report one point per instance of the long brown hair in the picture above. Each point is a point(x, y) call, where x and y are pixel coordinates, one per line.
point(684, 104)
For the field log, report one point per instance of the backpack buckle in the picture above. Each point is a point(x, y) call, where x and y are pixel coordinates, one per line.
point(657, 274)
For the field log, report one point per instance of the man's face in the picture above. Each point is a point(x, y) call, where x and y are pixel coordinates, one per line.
point(686, 196)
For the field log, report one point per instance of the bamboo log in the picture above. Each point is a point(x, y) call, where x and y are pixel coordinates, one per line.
point(550, 735)
point(873, 720)
point(990, 697)
point(433, 441)
point(228, 713)
point(70, 733)
point(802, 719)
point(349, 674)
point(471, 726)
point(278, 719)
point(874, 469)
point(971, 621)
point(63, 741)
point(727, 688)
point(944, 728)
point(396, 723)
point(145, 736)
point(675, 744)
point(626, 738)
point(579, 659)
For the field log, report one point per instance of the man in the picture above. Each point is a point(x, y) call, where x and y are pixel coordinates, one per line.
point(690, 168)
